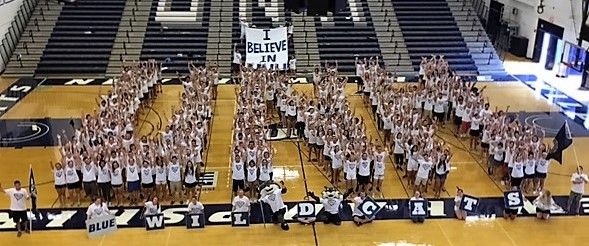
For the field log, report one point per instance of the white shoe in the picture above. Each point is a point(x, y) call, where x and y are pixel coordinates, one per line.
point(502, 182)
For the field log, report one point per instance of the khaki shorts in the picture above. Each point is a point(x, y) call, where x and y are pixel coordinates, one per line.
point(175, 186)
point(420, 181)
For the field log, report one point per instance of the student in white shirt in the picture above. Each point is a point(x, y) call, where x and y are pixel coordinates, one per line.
point(579, 180)
point(18, 206)
point(460, 214)
point(152, 207)
point(544, 204)
point(195, 207)
point(97, 209)
point(59, 182)
point(240, 202)
point(236, 63)
point(292, 65)
point(417, 197)
point(359, 217)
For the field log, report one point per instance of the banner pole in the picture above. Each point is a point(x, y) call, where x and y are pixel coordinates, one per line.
point(568, 132)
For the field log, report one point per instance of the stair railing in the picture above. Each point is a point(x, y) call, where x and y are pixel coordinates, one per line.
point(15, 31)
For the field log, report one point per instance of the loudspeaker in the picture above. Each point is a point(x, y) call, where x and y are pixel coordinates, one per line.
point(317, 7)
point(519, 46)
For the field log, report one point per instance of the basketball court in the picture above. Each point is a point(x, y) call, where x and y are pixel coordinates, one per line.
point(32, 121)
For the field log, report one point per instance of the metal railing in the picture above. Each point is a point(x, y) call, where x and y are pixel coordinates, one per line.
point(16, 30)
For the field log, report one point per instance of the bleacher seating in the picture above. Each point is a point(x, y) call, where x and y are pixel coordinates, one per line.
point(82, 38)
point(429, 28)
point(177, 33)
point(347, 34)
point(260, 18)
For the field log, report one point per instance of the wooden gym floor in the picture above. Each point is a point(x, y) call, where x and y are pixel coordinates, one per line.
point(74, 101)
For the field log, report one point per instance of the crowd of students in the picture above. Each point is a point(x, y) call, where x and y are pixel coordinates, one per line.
point(106, 153)
point(168, 164)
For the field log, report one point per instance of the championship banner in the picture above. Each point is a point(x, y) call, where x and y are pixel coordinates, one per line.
point(267, 48)
point(102, 225)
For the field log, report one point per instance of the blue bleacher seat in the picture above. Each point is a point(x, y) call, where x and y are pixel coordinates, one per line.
point(82, 39)
point(428, 28)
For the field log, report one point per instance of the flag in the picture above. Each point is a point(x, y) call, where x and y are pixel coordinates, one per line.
point(562, 140)
point(33, 192)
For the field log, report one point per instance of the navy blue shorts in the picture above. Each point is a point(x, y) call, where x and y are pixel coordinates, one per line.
point(133, 186)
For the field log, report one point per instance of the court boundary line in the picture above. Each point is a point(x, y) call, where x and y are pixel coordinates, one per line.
point(306, 189)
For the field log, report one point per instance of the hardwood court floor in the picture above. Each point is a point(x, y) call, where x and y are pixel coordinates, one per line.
point(74, 101)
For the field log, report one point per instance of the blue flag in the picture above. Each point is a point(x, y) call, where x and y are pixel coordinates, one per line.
point(562, 140)
point(33, 191)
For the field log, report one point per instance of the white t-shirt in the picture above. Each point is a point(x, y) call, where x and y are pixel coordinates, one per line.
point(18, 199)
point(274, 200)
point(152, 209)
point(241, 204)
point(424, 168)
point(95, 211)
point(331, 205)
point(577, 188)
point(236, 58)
point(197, 208)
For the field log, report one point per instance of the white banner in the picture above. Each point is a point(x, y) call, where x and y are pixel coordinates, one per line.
point(267, 47)
point(102, 225)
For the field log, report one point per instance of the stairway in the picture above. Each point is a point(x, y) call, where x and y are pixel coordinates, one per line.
point(480, 46)
point(129, 38)
point(34, 38)
point(219, 48)
point(429, 28)
point(346, 35)
point(177, 33)
point(390, 40)
point(82, 39)
point(305, 42)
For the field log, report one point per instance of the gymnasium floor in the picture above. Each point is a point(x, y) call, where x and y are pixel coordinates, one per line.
point(72, 101)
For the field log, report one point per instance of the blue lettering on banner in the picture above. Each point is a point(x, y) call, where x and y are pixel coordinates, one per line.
point(272, 47)
point(469, 203)
point(220, 214)
point(369, 207)
point(100, 226)
point(418, 208)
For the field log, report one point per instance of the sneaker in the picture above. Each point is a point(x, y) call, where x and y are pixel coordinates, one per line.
point(19, 234)
point(502, 182)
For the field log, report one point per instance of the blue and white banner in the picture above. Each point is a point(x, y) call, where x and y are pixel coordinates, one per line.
point(102, 225)
point(195, 221)
point(469, 203)
point(267, 48)
point(220, 214)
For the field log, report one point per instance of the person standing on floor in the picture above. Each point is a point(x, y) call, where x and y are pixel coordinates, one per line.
point(18, 206)
point(579, 180)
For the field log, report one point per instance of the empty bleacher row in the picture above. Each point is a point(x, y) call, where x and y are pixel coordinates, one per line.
point(428, 28)
point(177, 33)
point(82, 38)
point(259, 14)
point(347, 34)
